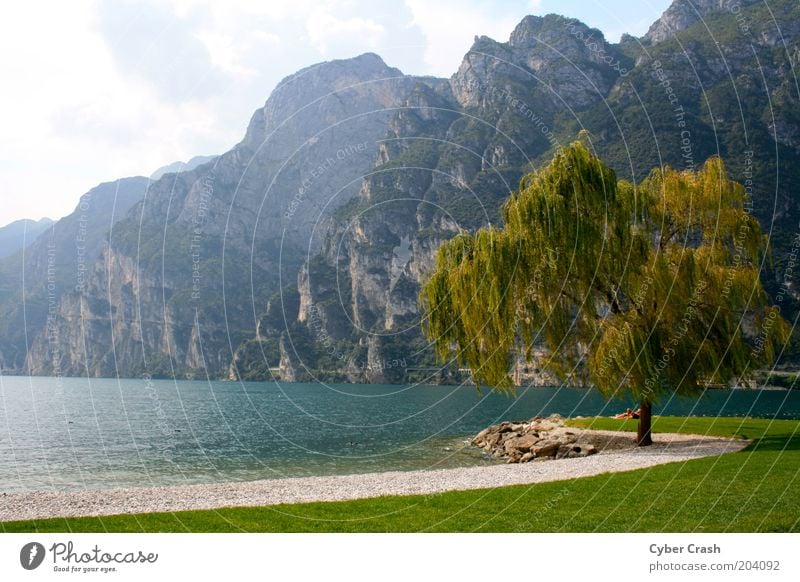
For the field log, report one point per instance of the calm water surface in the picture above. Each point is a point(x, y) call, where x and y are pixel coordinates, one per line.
point(78, 433)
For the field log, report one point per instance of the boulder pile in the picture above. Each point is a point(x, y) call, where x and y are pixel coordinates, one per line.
point(535, 440)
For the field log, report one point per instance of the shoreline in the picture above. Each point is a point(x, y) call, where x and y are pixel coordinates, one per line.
point(667, 448)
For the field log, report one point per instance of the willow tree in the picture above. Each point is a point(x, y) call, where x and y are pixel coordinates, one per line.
point(642, 291)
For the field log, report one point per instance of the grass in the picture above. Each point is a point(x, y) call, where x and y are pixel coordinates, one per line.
point(756, 490)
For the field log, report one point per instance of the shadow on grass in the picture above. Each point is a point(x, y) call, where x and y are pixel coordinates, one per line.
point(776, 443)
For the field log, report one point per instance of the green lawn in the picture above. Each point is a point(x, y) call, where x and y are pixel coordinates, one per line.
point(755, 490)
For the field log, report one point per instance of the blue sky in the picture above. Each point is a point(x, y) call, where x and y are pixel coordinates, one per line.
point(103, 89)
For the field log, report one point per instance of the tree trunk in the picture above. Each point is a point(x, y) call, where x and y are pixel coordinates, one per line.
point(644, 437)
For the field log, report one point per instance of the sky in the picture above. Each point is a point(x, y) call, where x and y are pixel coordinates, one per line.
point(94, 90)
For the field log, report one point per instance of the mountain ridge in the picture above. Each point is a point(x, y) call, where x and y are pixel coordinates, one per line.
point(20, 233)
point(302, 248)
point(682, 14)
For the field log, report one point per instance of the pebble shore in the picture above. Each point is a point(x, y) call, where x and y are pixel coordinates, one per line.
point(667, 448)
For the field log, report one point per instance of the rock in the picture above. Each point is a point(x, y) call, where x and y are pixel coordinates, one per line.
point(537, 440)
point(522, 444)
point(514, 456)
point(578, 450)
point(546, 448)
point(492, 439)
point(481, 436)
point(681, 14)
point(566, 439)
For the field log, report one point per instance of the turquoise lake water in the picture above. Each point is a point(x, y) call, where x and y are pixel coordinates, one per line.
point(76, 433)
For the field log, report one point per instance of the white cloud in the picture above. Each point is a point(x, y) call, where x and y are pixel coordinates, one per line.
point(325, 29)
point(451, 25)
point(100, 89)
point(70, 119)
point(225, 53)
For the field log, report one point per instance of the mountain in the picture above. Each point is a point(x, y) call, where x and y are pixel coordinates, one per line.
point(676, 100)
point(175, 287)
point(176, 167)
point(682, 14)
point(32, 283)
point(301, 250)
point(20, 233)
point(449, 159)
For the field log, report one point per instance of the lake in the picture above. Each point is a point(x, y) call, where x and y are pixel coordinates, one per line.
point(79, 433)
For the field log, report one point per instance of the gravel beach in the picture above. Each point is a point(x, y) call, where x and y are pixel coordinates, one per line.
point(620, 455)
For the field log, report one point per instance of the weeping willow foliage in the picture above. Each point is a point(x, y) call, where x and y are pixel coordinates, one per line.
point(638, 290)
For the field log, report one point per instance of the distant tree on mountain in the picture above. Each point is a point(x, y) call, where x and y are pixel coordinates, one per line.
point(640, 290)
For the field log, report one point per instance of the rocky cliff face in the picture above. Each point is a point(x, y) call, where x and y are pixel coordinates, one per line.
point(454, 153)
point(451, 154)
point(33, 281)
point(101, 321)
point(301, 251)
point(682, 14)
point(563, 57)
point(170, 294)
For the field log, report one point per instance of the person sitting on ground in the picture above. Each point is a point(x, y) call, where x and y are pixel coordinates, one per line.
point(636, 413)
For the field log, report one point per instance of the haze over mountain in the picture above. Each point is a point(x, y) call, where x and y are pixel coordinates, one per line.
point(175, 167)
point(20, 234)
point(302, 248)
